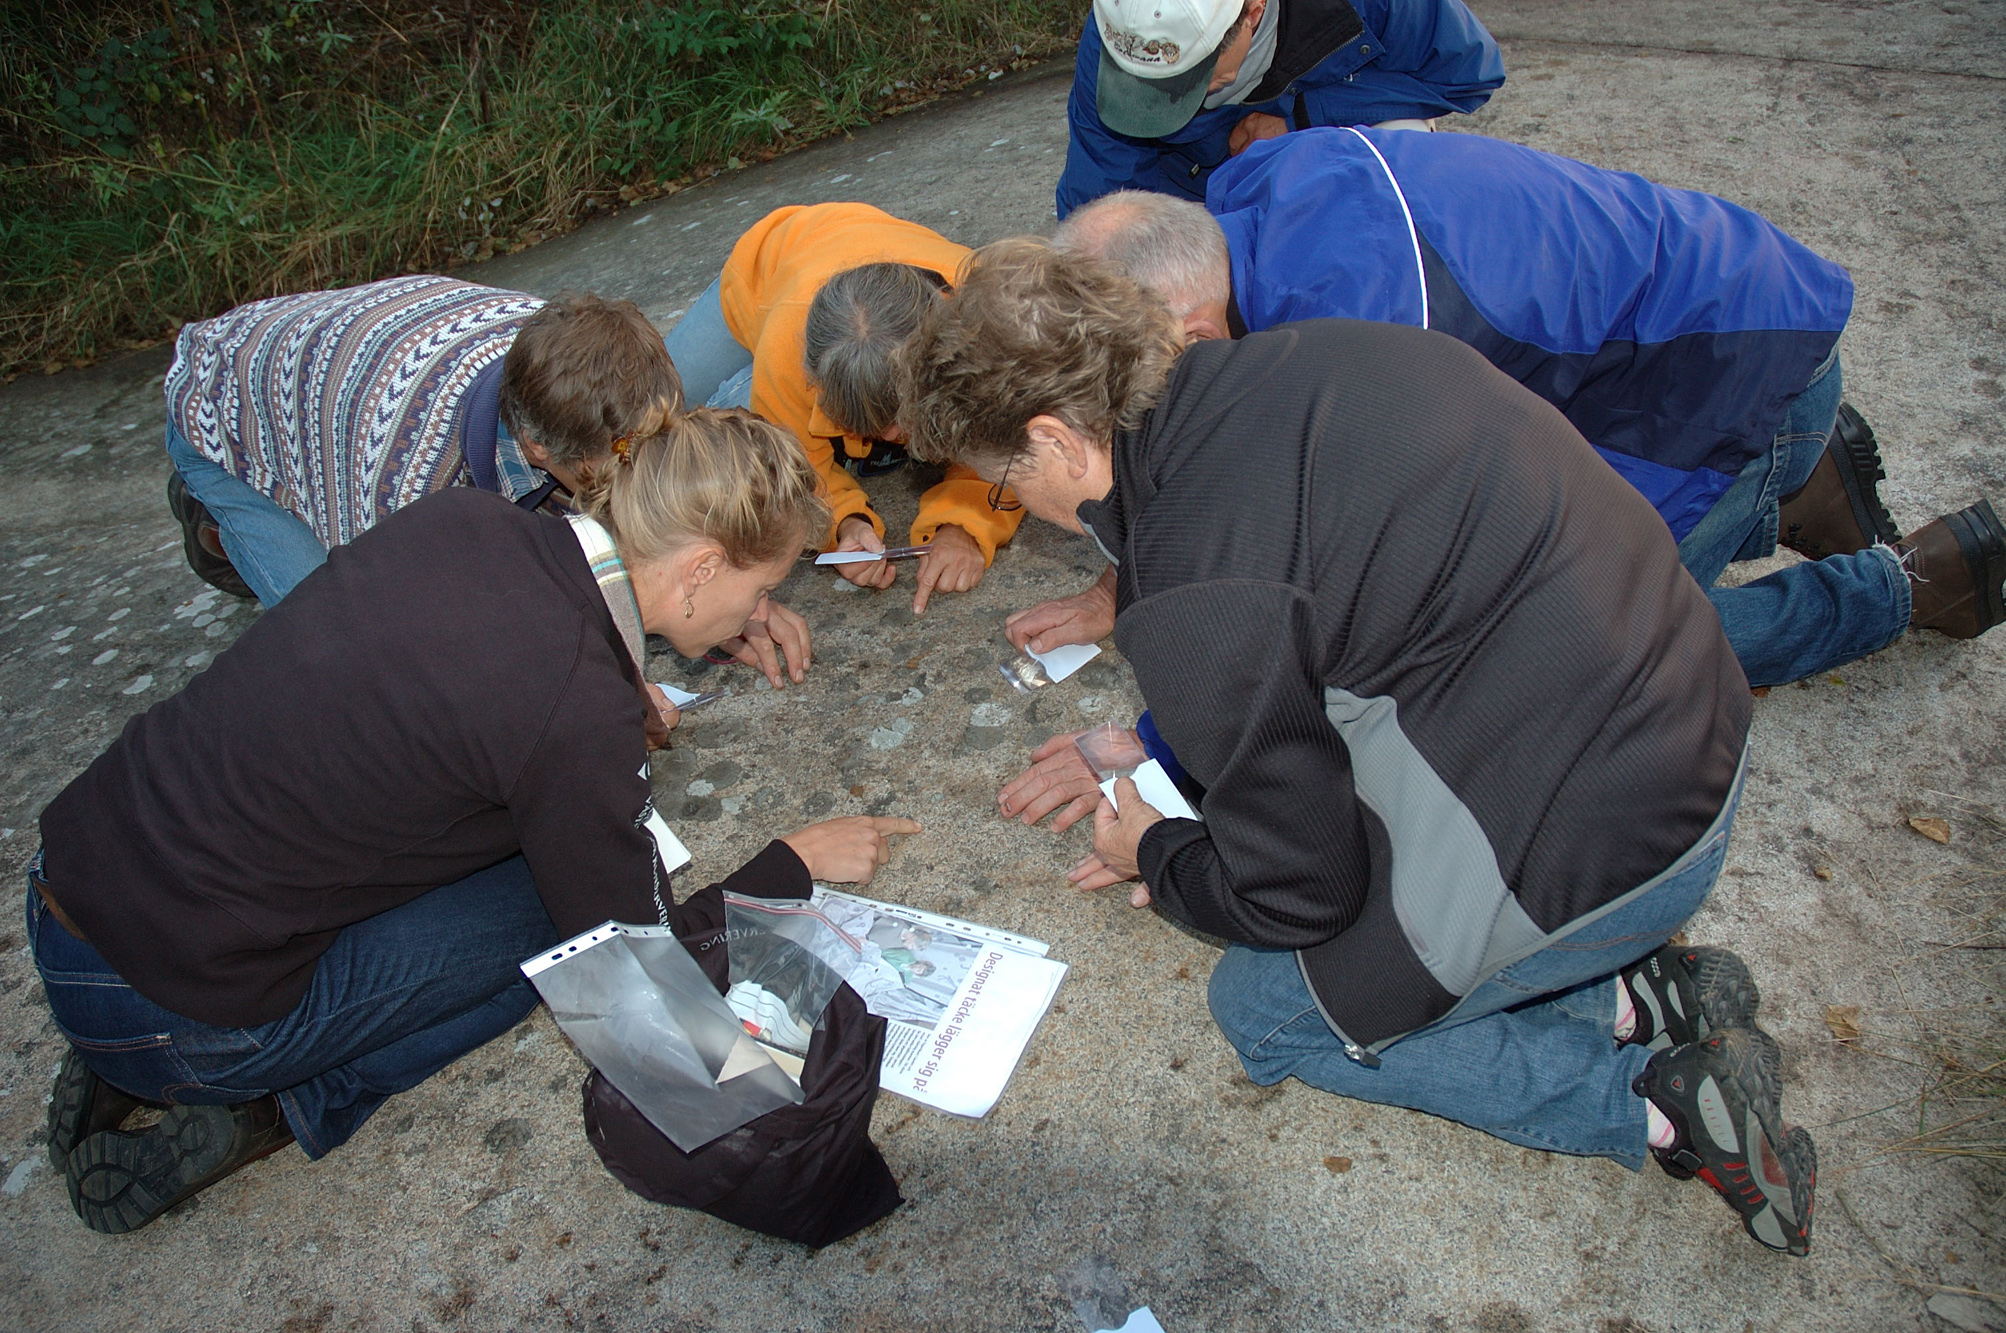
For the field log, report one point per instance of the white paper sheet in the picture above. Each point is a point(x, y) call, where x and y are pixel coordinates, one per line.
point(846, 557)
point(1067, 658)
point(1155, 787)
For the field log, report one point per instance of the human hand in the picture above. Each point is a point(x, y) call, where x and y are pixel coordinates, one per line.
point(1085, 618)
point(847, 850)
point(669, 712)
point(1253, 127)
point(766, 637)
point(855, 533)
point(952, 563)
point(1058, 776)
point(1117, 834)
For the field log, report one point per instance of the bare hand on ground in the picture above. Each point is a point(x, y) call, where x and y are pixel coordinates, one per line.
point(1116, 837)
point(952, 563)
point(848, 850)
point(1058, 776)
point(855, 533)
point(762, 643)
point(1257, 125)
point(1085, 618)
point(670, 713)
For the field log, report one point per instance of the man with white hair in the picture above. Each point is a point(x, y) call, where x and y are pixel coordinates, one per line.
point(1166, 90)
point(1694, 344)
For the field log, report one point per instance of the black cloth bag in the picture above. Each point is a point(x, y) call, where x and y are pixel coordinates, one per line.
point(806, 1173)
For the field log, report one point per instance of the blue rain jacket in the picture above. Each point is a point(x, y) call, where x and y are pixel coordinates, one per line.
point(1393, 59)
point(1672, 328)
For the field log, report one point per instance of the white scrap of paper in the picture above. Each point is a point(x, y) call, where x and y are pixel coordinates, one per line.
point(1064, 660)
point(847, 557)
point(1140, 1321)
point(1157, 789)
point(676, 696)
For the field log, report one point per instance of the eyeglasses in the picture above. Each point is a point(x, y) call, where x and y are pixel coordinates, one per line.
point(996, 500)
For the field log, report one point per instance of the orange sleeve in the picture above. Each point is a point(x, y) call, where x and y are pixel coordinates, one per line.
point(962, 498)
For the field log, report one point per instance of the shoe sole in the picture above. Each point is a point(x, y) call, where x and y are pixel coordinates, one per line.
point(1981, 538)
point(80, 1105)
point(1861, 471)
point(1767, 1174)
point(1723, 988)
point(120, 1182)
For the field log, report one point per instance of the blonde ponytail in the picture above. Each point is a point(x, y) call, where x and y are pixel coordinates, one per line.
point(719, 475)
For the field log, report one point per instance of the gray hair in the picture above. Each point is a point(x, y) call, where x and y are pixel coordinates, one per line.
point(857, 322)
point(1171, 246)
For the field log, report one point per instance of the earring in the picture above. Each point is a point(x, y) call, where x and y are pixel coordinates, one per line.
point(688, 610)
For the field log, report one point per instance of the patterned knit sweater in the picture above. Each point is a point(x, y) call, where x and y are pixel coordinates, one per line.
point(345, 406)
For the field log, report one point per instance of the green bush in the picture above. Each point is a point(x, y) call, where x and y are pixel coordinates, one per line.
point(165, 160)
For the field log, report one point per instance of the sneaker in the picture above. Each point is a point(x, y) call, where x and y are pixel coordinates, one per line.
point(82, 1104)
point(119, 1182)
point(1838, 510)
point(1682, 995)
point(1723, 1096)
point(202, 541)
point(1957, 572)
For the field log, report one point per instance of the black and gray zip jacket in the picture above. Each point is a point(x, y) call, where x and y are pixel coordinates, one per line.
point(1437, 668)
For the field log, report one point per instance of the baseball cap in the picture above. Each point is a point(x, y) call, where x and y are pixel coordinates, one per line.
point(1156, 60)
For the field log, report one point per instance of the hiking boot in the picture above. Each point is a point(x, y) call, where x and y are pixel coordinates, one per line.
point(1838, 510)
point(202, 541)
point(119, 1182)
point(1684, 995)
point(1956, 566)
point(82, 1104)
point(1723, 1096)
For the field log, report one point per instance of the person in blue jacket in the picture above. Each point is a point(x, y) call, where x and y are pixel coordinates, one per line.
point(1166, 90)
point(1691, 342)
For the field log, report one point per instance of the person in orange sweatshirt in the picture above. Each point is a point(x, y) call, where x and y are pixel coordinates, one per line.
point(801, 327)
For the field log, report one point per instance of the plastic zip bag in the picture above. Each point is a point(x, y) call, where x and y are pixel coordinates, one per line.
point(787, 962)
point(639, 1008)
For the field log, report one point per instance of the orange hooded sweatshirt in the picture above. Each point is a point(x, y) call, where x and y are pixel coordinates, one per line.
point(769, 282)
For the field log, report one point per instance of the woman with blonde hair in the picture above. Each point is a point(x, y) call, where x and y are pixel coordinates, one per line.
point(305, 882)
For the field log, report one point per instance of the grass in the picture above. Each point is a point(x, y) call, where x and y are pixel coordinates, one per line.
point(154, 175)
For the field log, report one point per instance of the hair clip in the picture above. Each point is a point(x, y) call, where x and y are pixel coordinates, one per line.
point(623, 448)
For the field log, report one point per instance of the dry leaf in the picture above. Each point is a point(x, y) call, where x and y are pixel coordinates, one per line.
point(1760, 691)
point(1936, 830)
point(1337, 1165)
point(1844, 1020)
point(1822, 872)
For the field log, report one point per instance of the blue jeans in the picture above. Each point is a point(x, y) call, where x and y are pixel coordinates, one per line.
point(1529, 1055)
point(716, 369)
point(1812, 616)
point(394, 1000)
point(270, 546)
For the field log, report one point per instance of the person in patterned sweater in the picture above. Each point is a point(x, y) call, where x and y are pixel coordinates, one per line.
point(295, 424)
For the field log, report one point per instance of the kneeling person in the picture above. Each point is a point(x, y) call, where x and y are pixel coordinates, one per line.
point(305, 883)
point(1449, 788)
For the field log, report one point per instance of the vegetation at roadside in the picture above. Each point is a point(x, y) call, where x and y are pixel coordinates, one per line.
point(162, 160)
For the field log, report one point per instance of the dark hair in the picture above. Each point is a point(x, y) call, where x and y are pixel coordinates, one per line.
point(584, 372)
point(855, 325)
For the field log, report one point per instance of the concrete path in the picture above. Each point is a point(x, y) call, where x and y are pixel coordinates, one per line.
point(1129, 1148)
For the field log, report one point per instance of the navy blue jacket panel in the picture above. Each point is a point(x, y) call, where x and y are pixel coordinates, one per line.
point(1410, 58)
point(1672, 328)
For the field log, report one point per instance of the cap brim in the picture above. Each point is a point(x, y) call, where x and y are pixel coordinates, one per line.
point(1151, 108)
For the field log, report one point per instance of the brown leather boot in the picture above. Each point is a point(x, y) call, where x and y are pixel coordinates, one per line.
point(1839, 510)
point(202, 541)
point(1956, 566)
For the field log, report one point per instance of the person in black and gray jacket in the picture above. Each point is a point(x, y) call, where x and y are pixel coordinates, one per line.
point(1461, 732)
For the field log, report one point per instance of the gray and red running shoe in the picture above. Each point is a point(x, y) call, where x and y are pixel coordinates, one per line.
point(1723, 1095)
point(1683, 993)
